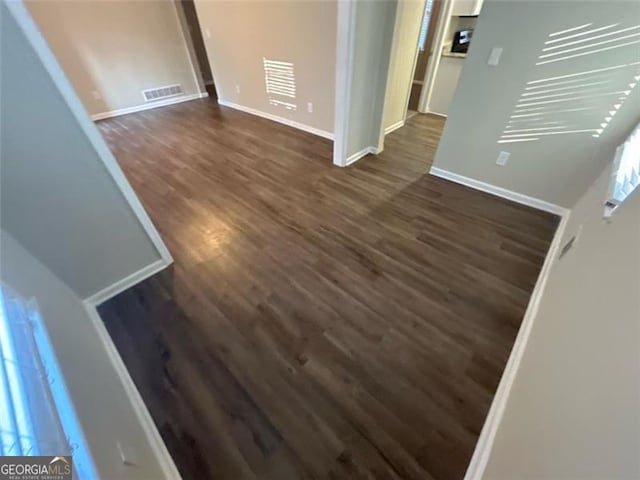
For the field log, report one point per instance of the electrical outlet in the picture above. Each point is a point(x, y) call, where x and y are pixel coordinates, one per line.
point(237, 88)
point(310, 107)
point(96, 95)
point(207, 33)
point(503, 158)
point(128, 454)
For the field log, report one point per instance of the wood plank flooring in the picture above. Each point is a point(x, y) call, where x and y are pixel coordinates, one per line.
point(318, 322)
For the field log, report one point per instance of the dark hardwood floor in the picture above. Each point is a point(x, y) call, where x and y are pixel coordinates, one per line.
point(318, 322)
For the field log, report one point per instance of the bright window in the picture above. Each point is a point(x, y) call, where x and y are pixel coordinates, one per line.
point(424, 28)
point(626, 172)
point(36, 413)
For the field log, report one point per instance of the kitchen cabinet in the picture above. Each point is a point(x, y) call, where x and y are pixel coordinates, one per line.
point(463, 8)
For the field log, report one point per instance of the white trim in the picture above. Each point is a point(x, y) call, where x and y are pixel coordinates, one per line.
point(443, 115)
point(433, 61)
point(394, 127)
point(147, 106)
point(275, 118)
point(49, 62)
point(415, 64)
point(345, 41)
point(482, 452)
point(139, 407)
point(361, 154)
point(127, 282)
point(144, 417)
point(382, 131)
point(499, 191)
point(26, 24)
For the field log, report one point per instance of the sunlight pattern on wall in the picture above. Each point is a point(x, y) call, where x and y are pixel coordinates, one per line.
point(582, 99)
point(280, 83)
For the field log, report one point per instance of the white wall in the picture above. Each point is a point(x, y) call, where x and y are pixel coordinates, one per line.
point(558, 168)
point(574, 409)
point(372, 38)
point(103, 408)
point(116, 47)
point(403, 58)
point(58, 198)
point(241, 34)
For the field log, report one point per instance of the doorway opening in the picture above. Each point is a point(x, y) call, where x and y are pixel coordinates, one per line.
point(440, 38)
point(424, 52)
point(195, 42)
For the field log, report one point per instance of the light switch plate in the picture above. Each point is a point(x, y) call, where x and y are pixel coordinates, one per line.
point(503, 158)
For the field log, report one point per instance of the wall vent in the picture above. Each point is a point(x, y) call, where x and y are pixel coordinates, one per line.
point(152, 94)
point(567, 247)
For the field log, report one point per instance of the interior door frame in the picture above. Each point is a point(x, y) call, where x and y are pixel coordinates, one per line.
point(434, 60)
point(383, 133)
point(344, 72)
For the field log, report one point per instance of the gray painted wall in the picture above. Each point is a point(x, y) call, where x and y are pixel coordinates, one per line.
point(373, 36)
point(57, 197)
point(573, 410)
point(558, 168)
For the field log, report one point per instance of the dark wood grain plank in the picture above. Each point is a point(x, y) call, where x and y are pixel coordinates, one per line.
point(318, 322)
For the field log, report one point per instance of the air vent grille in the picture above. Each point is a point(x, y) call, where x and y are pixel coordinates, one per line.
point(162, 92)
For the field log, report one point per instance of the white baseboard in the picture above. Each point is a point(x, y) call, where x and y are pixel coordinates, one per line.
point(142, 413)
point(482, 452)
point(127, 282)
point(443, 115)
point(362, 153)
point(148, 106)
point(394, 127)
point(275, 118)
point(499, 191)
point(144, 417)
